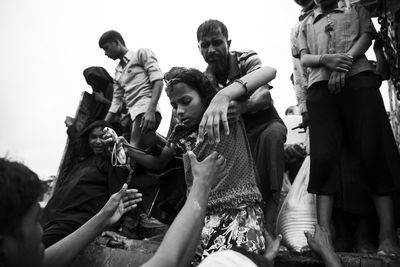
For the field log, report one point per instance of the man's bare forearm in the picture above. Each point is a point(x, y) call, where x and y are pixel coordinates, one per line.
point(157, 89)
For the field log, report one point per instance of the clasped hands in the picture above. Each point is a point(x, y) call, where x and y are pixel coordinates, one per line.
point(340, 64)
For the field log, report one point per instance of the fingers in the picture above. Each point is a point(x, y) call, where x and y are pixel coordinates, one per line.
point(342, 77)
point(200, 136)
point(212, 128)
point(131, 203)
point(220, 158)
point(215, 156)
point(124, 187)
point(273, 248)
point(331, 84)
point(276, 243)
point(216, 130)
point(192, 157)
point(308, 235)
point(225, 123)
point(336, 82)
point(310, 240)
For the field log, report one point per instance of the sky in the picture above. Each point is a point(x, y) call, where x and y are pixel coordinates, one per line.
point(46, 44)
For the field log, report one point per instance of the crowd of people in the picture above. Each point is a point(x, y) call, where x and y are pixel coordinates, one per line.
point(229, 140)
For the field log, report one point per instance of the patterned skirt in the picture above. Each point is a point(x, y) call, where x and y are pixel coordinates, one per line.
point(242, 227)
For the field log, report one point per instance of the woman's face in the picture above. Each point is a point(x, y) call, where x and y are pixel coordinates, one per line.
point(96, 142)
point(187, 104)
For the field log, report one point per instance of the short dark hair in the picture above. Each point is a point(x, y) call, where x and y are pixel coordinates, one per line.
point(20, 189)
point(211, 26)
point(194, 78)
point(110, 36)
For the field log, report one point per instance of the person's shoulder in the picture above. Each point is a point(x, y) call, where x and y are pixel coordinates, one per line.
point(243, 55)
point(144, 51)
point(247, 59)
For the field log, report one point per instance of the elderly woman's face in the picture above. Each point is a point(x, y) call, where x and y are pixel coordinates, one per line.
point(96, 142)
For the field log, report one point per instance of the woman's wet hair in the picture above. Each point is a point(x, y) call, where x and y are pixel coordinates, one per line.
point(192, 77)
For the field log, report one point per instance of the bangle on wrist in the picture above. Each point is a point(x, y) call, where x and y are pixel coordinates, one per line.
point(244, 84)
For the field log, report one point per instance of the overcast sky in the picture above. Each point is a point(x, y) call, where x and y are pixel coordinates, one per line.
point(46, 44)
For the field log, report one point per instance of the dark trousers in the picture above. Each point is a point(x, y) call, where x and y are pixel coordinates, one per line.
point(356, 118)
point(267, 146)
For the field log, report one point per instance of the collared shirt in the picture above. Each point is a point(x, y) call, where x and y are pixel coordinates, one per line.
point(335, 32)
point(134, 76)
point(241, 63)
point(300, 73)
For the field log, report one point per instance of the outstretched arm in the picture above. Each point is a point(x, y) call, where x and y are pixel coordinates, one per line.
point(64, 251)
point(156, 163)
point(179, 244)
point(217, 111)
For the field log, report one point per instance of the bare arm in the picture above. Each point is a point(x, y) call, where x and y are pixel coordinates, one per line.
point(339, 62)
point(218, 108)
point(149, 161)
point(116, 102)
point(259, 100)
point(64, 251)
point(360, 46)
point(99, 96)
point(149, 119)
point(182, 238)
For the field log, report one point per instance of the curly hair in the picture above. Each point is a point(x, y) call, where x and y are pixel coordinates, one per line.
point(211, 26)
point(192, 77)
point(20, 189)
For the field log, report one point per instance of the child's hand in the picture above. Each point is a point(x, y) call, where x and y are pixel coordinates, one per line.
point(336, 81)
point(272, 250)
point(209, 170)
point(321, 241)
point(217, 111)
point(337, 62)
point(69, 121)
point(119, 203)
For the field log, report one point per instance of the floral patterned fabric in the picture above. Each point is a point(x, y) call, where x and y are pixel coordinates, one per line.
point(242, 227)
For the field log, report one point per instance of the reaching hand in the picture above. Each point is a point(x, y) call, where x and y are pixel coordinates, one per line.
point(336, 81)
point(119, 203)
point(320, 241)
point(69, 121)
point(208, 171)
point(273, 249)
point(216, 112)
point(337, 62)
point(148, 122)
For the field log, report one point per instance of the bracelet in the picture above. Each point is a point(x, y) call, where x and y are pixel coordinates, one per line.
point(244, 84)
